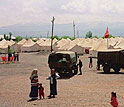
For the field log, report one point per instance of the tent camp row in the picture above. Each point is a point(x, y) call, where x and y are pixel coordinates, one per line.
point(94, 45)
point(78, 45)
point(26, 45)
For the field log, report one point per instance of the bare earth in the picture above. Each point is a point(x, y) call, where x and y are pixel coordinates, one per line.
point(92, 89)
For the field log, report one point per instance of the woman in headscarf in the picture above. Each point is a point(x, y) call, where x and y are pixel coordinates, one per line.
point(34, 85)
point(53, 83)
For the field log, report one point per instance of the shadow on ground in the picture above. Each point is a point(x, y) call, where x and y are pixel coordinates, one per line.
point(110, 73)
point(66, 77)
point(30, 100)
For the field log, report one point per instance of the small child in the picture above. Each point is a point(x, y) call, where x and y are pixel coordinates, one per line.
point(114, 101)
point(41, 90)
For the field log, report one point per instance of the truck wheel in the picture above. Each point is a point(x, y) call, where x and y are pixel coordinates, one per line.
point(70, 73)
point(106, 69)
point(75, 70)
point(116, 69)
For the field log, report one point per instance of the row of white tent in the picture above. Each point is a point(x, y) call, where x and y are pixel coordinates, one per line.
point(26, 45)
point(78, 45)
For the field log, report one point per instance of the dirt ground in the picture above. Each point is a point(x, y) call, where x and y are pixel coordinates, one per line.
point(92, 89)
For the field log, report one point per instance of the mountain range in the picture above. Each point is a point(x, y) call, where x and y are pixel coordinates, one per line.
point(44, 30)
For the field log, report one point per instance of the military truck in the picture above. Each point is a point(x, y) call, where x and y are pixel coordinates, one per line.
point(112, 58)
point(64, 62)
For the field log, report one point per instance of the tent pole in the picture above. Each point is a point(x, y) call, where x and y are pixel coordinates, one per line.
point(107, 43)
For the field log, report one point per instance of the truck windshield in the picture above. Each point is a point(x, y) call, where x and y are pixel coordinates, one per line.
point(58, 58)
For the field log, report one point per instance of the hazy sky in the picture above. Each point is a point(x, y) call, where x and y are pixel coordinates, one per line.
point(65, 11)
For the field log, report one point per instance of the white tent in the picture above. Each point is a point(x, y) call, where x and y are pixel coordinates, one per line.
point(61, 43)
point(3, 46)
point(78, 49)
point(100, 45)
point(46, 45)
point(30, 46)
point(40, 41)
point(20, 43)
point(120, 45)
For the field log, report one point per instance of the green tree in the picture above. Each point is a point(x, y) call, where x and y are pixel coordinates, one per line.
point(55, 37)
point(9, 50)
point(95, 37)
point(65, 37)
point(1, 39)
point(34, 40)
point(5, 36)
point(18, 38)
point(10, 35)
point(89, 34)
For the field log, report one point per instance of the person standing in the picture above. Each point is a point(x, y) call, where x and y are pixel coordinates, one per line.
point(91, 61)
point(41, 91)
point(80, 66)
point(17, 56)
point(14, 54)
point(114, 101)
point(53, 83)
point(34, 85)
point(9, 53)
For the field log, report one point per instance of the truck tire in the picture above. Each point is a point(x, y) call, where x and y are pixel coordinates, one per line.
point(70, 72)
point(75, 71)
point(106, 69)
point(116, 69)
point(75, 68)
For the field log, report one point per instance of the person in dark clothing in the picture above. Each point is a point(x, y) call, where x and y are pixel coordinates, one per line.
point(14, 54)
point(34, 85)
point(91, 61)
point(80, 66)
point(9, 53)
point(9, 56)
point(53, 84)
point(17, 56)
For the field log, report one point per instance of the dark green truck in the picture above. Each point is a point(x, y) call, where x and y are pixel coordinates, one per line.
point(64, 62)
point(112, 58)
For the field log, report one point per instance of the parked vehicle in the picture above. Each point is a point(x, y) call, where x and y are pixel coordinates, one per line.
point(112, 58)
point(63, 62)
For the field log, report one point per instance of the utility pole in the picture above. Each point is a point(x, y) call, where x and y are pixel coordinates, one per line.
point(74, 29)
point(52, 33)
point(77, 33)
point(47, 34)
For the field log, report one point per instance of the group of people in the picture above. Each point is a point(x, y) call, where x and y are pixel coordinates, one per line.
point(15, 55)
point(37, 88)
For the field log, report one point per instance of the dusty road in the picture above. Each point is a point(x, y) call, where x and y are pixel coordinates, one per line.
point(92, 89)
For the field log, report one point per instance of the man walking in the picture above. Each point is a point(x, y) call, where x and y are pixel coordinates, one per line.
point(80, 66)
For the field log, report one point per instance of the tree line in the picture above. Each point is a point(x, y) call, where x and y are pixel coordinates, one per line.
point(19, 38)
